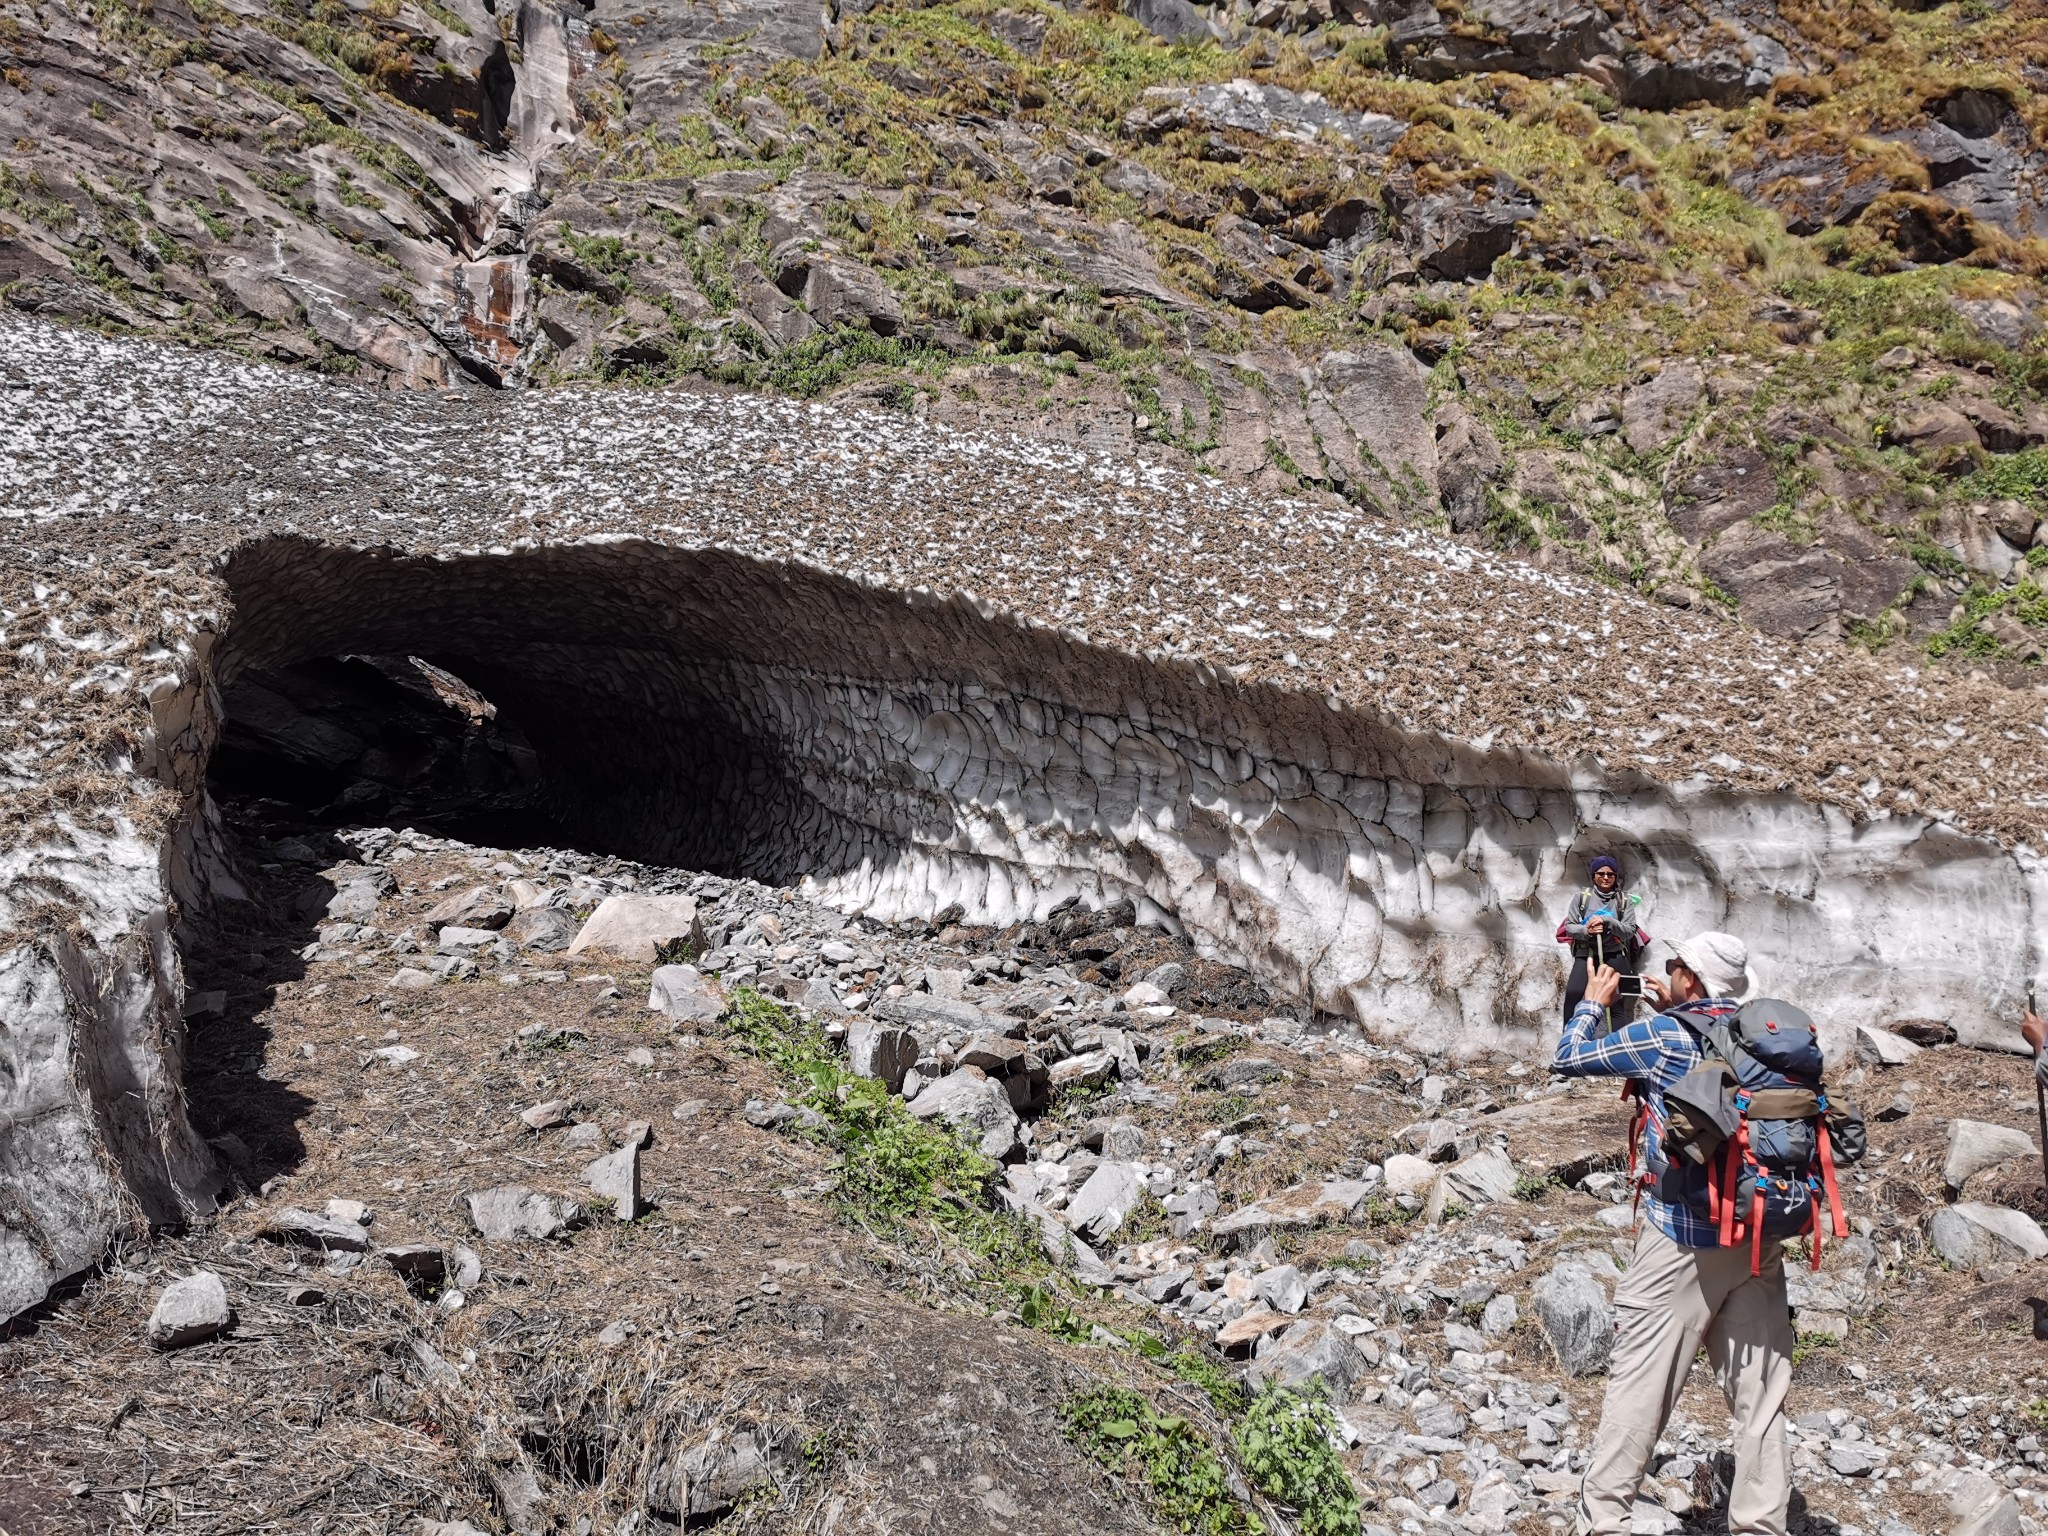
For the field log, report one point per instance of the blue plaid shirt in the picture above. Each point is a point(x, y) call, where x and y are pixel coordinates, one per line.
point(1656, 1053)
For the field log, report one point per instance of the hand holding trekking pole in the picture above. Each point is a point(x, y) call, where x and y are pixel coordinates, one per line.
point(1603, 985)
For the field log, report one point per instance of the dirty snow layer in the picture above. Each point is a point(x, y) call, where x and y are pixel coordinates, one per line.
point(144, 461)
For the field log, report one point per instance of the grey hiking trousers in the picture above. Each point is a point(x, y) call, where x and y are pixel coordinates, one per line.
point(1670, 1302)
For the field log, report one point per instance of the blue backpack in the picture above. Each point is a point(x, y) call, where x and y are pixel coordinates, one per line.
point(1750, 1139)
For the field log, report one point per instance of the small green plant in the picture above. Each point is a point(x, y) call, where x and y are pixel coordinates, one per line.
point(2037, 1412)
point(1184, 1478)
point(1386, 1213)
point(1224, 1391)
point(1530, 1187)
point(895, 1170)
point(1289, 1456)
point(1041, 1310)
point(1807, 1345)
point(677, 951)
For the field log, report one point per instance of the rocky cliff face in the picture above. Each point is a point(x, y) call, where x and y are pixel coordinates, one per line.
point(1729, 303)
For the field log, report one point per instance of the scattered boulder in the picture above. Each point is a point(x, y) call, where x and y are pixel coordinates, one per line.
point(1242, 1072)
point(1302, 1206)
point(701, 1484)
point(968, 1098)
point(190, 1311)
point(1500, 1316)
point(616, 1177)
point(1089, 1069)
point(1249, 1327)
point(417, 1264)
point(1406, 1174)
point(1881, 1048)
point(884, 1052)
point(1311, 1350)
point(545, 930)
point(934, 1015)
point(1975, 1145)
point(1102, 1204)
point(546, 1115)
point(685, 995)
point(1173, 21)
point(1971, 1233)
point(632, 926)
point(1654, 413)
point(1485, 1178)
point(1572, 1308)
point(1284, 1288)
point(307, 1230)
point(513, 1211)
point(477, 907)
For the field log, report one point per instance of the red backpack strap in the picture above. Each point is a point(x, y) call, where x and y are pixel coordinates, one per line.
point(1756, 1230)
point(1731, 1179)
point(1827, 1180)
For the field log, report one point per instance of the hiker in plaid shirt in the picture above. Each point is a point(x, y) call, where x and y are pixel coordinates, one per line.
point(1682, 1290)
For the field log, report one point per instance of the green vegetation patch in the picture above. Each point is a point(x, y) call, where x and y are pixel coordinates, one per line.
point(1185, 1481)
point(1289, 1455)
point(895, 1170)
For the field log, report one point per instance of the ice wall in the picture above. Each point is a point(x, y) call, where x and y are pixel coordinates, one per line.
point(900, 753)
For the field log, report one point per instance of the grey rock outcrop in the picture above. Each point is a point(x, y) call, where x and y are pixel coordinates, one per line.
point(190, 1311)
point(512, 1211)
point(1975, 1145)
point(684, 995)
point(1572, 1308)
point(1971, 1233)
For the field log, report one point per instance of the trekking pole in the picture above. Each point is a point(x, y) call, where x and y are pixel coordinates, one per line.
point(1607, 1011)
point(2040, 1106)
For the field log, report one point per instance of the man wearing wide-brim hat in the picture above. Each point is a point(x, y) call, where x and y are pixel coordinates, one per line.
point(1682, 1290)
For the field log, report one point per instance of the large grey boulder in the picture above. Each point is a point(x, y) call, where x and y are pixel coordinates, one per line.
point(970, 1100)
point(1311, 1350)
point(512, 1211)
point(884, 1052)
point(1572, 1308)
point(94, 1140)
point(684, 995)
point(190, 1311)
point(630, 926)
point(1975, 1145)
point(1101, 1205)
point(1971, 1233)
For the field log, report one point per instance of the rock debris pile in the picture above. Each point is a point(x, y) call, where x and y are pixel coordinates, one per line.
point(1201, 1165)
